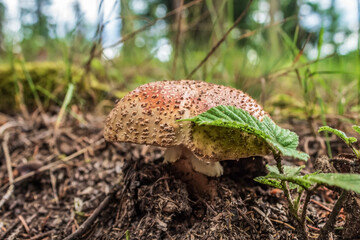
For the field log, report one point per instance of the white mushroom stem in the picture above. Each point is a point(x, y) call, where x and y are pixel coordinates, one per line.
point(211, 169)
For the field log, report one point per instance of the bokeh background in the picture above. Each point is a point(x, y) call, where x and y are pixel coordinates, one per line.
point(296, 57)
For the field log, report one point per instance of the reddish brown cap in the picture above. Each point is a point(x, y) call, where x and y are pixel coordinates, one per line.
point(148, 115)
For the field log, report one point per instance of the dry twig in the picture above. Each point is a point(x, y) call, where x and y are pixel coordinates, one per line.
point(9, 229)
point(24, 223)
point(10, 190)
point(284, 223)
point(19, 228)
point(320, 205)
point(246, 219)
point(42, 235)
point(266, 218)
point(90, 220)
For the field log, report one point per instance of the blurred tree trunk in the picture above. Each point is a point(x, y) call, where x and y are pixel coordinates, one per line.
point(42, 25)
point(273, 31)
point(334, 26)
point(198, 18)
point(127, 27)
point(79, 17)
point(2, 19)
point(358, 49)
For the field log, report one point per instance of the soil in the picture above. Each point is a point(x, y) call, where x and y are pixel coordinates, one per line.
point(128, 192)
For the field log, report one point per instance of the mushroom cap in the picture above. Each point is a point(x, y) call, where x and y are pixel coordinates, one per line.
point(148, 114)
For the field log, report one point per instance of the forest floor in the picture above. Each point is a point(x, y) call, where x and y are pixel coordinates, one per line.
point(66, 176)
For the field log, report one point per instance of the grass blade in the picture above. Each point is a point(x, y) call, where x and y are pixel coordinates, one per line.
point(65, 104)
point(31, 85)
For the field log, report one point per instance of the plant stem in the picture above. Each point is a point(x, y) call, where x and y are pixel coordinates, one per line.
point(292, 208)
point(329, 226)
point(277, 158)
point(355, 151)
point(298, 199)
point(309, 193)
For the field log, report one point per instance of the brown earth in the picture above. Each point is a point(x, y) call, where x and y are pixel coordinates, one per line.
point(129, 194)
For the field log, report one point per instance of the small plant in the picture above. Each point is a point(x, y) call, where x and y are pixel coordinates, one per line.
point(127, 235)
point(349, 141)
point(297, 188)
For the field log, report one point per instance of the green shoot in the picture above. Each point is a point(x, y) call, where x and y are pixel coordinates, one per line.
point(127, 235)
point(69, 92)
point(31, 85)
point(356, 129)
point(347, 140)
point(65, 104)
point(57, 101)
point(340, 134)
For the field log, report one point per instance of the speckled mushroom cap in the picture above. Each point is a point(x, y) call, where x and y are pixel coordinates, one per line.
point(148, 114)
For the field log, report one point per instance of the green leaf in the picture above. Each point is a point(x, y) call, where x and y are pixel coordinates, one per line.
point(294, 181)
point(277, 138)
point(356, 128)
point(340, 134)
point(292, 171)
point(271, 182)
point(349, 182)
point(272, 169)
point(288, 170)
point(291, 175)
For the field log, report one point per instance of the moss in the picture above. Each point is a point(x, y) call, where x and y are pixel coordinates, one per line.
point(220, 143)
point(51, 82)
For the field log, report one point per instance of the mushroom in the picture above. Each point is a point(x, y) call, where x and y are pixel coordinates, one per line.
point(149, 114)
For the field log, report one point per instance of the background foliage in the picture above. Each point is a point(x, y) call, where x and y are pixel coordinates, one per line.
point(293, 56)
